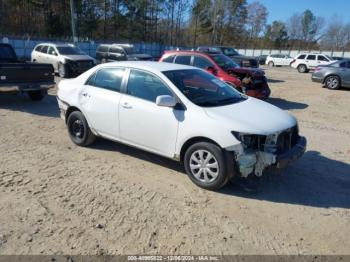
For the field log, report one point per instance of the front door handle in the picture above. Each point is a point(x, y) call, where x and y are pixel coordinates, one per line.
point(126, 105)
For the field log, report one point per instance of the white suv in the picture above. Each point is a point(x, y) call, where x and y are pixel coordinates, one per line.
point(278, 60)
point(180, 112)
point(305, 62)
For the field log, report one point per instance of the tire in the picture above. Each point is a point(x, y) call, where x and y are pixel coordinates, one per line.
point(302, 69)
point(271, 64)
point(78, 129)
point(218, 174)
point(332, 82)
point(62, 70)
point(37, 95)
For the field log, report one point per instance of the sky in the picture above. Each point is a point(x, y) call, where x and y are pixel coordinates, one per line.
point(283, 9)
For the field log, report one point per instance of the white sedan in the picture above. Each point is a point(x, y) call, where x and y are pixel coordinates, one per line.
point(278, 60)
point(183, 113)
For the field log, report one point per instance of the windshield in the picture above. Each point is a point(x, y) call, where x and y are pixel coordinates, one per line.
point(229, 51)
point(329, 58)
point(129, 50)
point(204, 89)
point(69, 50)
point(224, 62)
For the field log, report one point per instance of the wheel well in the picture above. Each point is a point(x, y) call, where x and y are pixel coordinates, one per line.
point(324, 80)
point(302, 65)
point(192, 141)
point(70, 110)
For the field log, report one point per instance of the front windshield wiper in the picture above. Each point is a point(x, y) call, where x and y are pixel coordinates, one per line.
point(230, 100)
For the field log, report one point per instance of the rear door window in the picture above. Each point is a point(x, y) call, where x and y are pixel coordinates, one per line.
point(116, 50)
point(108, 78)
point(311, 57)
point(183, 60)
point(44, 49)
point(201, 62)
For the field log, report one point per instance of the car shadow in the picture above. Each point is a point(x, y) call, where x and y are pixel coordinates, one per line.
point(21, 102)
point(104, 144)
point(314, 180)
point(275, 81)
point(285, 104)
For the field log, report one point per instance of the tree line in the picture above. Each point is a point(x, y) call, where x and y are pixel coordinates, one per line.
point(172, 22)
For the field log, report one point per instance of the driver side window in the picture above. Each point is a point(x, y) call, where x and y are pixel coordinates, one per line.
point(146, 86)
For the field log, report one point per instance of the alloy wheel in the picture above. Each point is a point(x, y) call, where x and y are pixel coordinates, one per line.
point(204, 166)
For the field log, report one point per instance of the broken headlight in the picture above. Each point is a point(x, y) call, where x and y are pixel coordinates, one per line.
point(250, 141)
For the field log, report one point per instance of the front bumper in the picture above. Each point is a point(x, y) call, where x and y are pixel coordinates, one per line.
point(295, 153)
point(26, 87)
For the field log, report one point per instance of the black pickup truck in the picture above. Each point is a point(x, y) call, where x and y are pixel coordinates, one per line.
point(18, 77)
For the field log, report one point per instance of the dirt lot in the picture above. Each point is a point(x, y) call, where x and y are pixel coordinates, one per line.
point(53, 194)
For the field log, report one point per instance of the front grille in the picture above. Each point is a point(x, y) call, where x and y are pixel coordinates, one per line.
point(85, 64)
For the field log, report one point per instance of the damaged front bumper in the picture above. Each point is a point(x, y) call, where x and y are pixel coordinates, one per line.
point(250, 161)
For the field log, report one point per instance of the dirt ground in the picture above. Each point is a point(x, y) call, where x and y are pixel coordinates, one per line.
point(57, 198)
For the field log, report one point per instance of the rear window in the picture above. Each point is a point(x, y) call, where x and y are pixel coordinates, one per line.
point(183, 60)
point(301, 57)
point(38, 48)
point(116, 50)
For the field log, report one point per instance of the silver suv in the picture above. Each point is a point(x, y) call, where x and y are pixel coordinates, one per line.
point(67, 59)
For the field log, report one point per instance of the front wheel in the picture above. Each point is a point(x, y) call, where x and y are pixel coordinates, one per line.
point(78, 129)
point(206, 166)
point(332, 82)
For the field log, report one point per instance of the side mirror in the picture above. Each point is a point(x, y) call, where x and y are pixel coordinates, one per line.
point(211, 70)
point(167, 101)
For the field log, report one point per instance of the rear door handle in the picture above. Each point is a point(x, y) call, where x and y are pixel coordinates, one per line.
point(126, 105)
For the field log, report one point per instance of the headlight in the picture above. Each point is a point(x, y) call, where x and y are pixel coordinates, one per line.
point(250, 141)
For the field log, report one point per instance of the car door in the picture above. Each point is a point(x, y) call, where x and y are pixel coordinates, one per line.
point(345, 73)
point(311, 61)
point(100, 99)
point(143, 123)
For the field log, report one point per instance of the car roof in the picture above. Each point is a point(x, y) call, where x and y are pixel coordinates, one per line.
point(151, 66)
point(57, 44)
point(190, 52)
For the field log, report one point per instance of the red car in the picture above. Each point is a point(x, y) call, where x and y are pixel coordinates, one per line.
point(247, 80)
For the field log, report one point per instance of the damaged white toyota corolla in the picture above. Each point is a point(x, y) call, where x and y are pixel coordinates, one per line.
point(183, 113)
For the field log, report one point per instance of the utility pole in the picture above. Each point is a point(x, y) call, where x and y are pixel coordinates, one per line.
point(73, 16)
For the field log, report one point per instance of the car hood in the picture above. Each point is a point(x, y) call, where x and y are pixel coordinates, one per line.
point(77, 57)
point(252, 116)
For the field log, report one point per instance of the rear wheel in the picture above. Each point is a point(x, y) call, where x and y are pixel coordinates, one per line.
point(271, 64)
point(37, 95)
point(302, 69)
point(206, 166)
point(78, 129)
point(332, 82)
